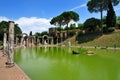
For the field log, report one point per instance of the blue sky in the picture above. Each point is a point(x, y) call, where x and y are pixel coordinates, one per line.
point(34, 15)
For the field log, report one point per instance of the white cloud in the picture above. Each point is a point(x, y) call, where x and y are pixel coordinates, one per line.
point(2, 18)
point(78, 7)
point(33, 24)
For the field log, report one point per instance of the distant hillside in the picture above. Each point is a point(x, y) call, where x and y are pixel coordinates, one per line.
point(94, 39)
point(104, 40)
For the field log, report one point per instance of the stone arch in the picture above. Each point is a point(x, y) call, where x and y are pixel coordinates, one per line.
point(24, 39)
point(45, 39)
point(24, 34)
point(45, 36)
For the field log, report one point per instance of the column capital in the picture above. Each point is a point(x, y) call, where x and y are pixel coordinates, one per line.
point(11, 22)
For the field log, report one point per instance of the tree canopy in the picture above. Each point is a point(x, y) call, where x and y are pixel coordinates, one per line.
point(5, 25)
point(30, 34)
point(70, 15)
point(111, 17)
point(118, 20)
point(44, 33)
point(64, 18)
point(91, 24)
point(101, 5)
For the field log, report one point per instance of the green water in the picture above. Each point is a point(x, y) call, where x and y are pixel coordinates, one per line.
point(61, 64)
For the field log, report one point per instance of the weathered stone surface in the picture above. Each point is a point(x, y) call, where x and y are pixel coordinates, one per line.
point(11, 43)
point(5, 44)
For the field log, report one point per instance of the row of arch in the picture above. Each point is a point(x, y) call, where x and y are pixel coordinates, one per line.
point(25, 40)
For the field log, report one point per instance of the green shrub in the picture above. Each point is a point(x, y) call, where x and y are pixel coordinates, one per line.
point(111, 29)
point(72, 33)
point(1, 43)
point(108, 30)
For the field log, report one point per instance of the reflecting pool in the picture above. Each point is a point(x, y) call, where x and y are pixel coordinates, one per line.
point(60, 64)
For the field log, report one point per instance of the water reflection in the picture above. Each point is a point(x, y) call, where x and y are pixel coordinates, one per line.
point(59, 64)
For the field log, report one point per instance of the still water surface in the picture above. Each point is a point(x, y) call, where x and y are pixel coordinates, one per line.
point(61, 64)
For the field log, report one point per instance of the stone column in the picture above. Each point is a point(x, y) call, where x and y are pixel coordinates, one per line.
point(61, 35)
point(4, 42)
point(21, 41)
point(17, 40)
point(10, 60)
point(37, 42)
point(42, 41)
point(52, 41)
point(32, 41)
point(57, 41)
point(27, 42)
point(48, 40)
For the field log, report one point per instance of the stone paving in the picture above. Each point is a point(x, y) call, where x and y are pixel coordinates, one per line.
point(13, 73)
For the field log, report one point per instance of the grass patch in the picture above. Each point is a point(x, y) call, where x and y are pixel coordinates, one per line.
point(110, 40)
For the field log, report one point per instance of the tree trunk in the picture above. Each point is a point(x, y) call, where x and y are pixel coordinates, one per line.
point(101, 15)
point(111, 16)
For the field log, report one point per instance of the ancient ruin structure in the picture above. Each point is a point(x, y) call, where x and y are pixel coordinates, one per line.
point(58, 36)
point(31, 41)
point(54, 37)
point(5, 42)
point(10, 59)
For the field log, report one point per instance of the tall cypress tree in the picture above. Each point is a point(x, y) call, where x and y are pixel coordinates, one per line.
point(111, 17)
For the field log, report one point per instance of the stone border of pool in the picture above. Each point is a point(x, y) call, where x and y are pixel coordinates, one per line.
point(14, 73)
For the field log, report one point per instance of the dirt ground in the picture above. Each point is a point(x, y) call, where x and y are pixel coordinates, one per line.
point(13, 73)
